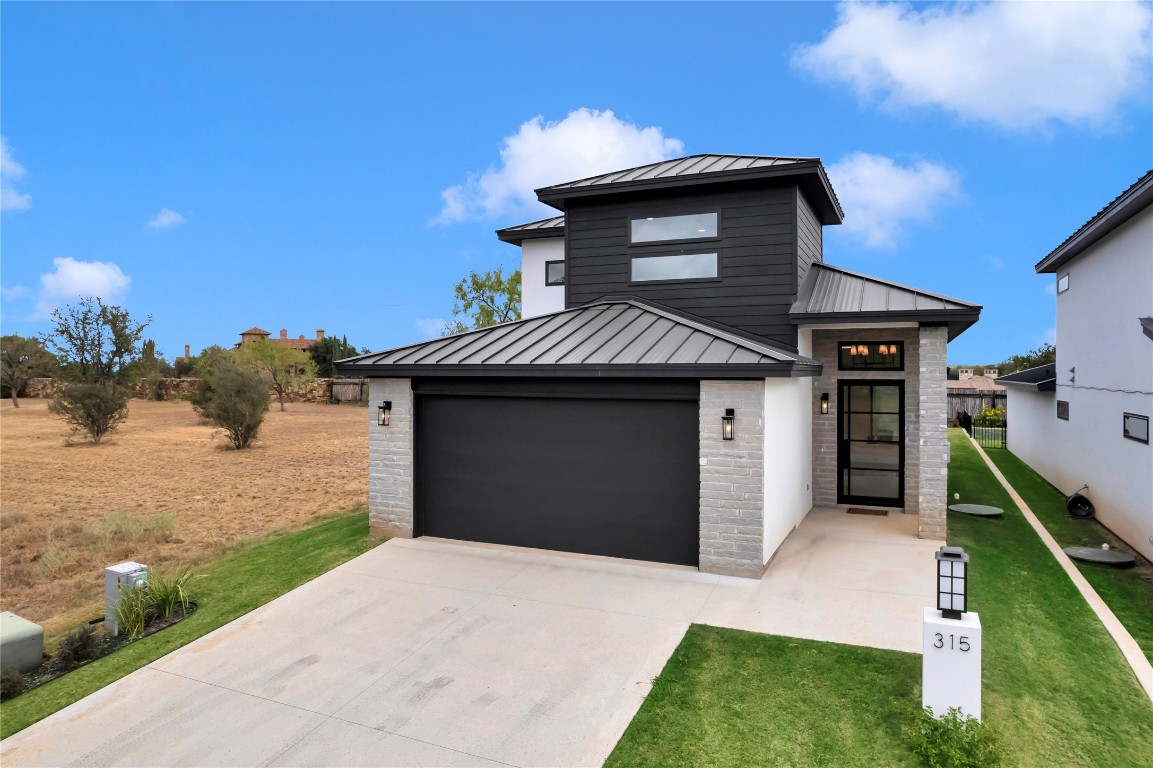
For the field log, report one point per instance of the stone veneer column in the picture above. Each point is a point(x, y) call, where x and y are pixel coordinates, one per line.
point(933, 469)
point(732, 500)
point(390, 476)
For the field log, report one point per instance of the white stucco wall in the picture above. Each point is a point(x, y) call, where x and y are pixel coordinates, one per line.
point(788, 454)
point(1032, 419)
point(1110, 287)
point(536, 297)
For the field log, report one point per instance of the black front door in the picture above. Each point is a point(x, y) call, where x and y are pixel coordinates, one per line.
point(871, 443)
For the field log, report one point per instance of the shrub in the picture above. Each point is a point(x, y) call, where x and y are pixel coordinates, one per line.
point(51, 563)
point(134, 610)
point(166, 592)
point(235, 400)
point(79, 646)
point(95, 409)
point(12, 683)
point(954, 740)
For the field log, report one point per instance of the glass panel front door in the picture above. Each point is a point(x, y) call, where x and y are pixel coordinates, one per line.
point(871, 443)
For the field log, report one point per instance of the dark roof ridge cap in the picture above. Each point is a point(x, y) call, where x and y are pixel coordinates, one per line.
point(871, 278)
point(1118, 205)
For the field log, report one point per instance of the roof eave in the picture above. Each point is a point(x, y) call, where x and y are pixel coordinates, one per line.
point(519, 236)
point(686, 371)
point(1049, 385)
point(1126, 206)
point(957, 320)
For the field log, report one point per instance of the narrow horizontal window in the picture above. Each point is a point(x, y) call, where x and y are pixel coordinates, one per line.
point(1063, 283)
point(1063, 410)
point(690, 227)
point(872, 356)
point(1136, 427)
point(693, 266)
point(554, 273)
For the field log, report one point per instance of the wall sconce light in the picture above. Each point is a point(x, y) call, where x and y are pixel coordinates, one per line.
point(727, 424)
point(384, 413)
point(952, 581)
point(824, 403)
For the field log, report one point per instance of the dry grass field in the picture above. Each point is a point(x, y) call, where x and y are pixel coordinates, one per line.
point(164, 489)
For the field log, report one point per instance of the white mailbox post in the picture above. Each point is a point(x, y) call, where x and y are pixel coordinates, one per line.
point(951, 667)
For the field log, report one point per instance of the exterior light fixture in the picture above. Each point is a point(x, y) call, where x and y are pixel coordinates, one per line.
point(384, 413)
point(952, 581)
point(824, 403)
point(727, 424)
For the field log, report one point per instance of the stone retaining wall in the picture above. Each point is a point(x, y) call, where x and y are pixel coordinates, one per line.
point(317, 391)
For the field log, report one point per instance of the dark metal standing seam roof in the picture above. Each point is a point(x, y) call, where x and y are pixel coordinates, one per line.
point(1043, 378)
point(551, 227)
point(682, 166)
point(831, 294)
point(617, 337)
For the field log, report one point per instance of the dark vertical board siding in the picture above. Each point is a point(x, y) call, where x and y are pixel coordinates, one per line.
point(757, 255)
point(809, 234)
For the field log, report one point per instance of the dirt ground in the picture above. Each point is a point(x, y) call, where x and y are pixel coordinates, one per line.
point(164, 489)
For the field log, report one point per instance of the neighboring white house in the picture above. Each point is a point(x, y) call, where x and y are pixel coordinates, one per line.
point(1085, 420)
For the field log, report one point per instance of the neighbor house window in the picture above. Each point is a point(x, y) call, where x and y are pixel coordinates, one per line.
point(692, 266)
point(1063, 409)
point(872, 356)
point(1136, 427)
point(657, 228)
point(1063, 283)
point(554, 273)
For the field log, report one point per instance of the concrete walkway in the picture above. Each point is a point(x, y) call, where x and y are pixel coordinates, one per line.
point(425, 652)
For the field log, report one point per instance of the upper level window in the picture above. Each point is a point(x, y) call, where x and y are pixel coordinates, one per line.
point(1063, 283)
point(554, 273)
point(690, 227)
point(872, 356)
point(692, 266)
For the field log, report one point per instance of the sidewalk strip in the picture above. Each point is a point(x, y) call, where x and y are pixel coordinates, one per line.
point(1129, 648)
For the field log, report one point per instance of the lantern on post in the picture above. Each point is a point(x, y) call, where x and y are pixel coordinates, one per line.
point(952, 581)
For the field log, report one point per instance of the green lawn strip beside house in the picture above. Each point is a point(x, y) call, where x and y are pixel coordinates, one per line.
point(1127, 591)
point(255, 574)
point(1056, 688)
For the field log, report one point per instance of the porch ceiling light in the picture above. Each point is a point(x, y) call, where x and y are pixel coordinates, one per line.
point(824, 403)
point(727, 424)
point(384, 413)
point(952, 581)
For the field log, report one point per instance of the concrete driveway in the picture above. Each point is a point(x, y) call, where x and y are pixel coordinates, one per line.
point(432, 653)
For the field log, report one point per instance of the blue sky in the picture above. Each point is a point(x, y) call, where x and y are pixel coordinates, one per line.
point(341, 166)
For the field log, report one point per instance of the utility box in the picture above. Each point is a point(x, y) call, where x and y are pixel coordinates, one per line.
point(21, 643)
point(131, 576)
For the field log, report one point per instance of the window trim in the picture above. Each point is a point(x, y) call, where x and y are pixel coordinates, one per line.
point(1063, 407)
point(660, 243)
point(563, 276)
point(901, 354)
point(1125, 431)
point(675, 280)
point(1062, 279)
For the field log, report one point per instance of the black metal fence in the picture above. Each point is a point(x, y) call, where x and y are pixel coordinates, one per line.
point(988, 431)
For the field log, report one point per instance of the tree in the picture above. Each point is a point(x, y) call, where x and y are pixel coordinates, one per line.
point(94, 341)
point(22, 359)
point(93, 408)
point(327, 351)
point(483, 300)
point(207, 363)
point(1046, 354)
point(235, 399)
point(283, 368)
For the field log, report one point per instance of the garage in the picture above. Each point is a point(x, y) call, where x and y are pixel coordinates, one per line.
point(601, 467)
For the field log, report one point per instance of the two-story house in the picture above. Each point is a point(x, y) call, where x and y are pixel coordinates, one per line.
point(1085, 420)
point(688, 381)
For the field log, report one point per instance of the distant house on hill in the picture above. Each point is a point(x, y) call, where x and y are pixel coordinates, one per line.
point(974, 393)
point(255, 334)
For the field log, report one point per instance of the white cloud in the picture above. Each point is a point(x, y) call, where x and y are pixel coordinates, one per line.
point(540, 153)
point(11, 172)
point(165, 218)
point(431, 326)
point(73, 279)
point(1018, 65)
point(13, 292)
point(879, 197)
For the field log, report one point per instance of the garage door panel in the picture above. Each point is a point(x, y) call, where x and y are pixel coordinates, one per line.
point(607, 477)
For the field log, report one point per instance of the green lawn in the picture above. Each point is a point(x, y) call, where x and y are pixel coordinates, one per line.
point(255, 574)
point(1056, 688)
point(1128, 592)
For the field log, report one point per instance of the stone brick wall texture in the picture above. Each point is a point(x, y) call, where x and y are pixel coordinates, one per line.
point(732, 479)
point(390, 459)
point(933, 467)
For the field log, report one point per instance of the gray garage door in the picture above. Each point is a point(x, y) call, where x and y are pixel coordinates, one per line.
point(579, 466)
